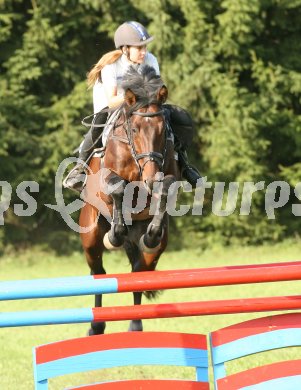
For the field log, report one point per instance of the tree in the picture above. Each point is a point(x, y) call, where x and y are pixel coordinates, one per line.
point(233, 64)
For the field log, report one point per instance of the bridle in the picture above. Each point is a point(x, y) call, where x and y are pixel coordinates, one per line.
point(158, 158)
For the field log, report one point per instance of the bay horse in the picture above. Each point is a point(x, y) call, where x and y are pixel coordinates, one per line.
point(139, 150)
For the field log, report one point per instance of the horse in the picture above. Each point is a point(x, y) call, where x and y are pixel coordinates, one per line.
point(139, 151)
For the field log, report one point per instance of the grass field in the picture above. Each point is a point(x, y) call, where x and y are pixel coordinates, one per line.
point(17, 343)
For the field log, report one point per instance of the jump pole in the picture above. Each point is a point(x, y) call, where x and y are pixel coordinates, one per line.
point(152, 280)
point(120, 313)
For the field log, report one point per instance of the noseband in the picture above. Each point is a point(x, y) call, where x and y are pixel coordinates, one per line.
point(157, 157)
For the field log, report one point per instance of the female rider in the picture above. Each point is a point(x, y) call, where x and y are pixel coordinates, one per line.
point(131, 39)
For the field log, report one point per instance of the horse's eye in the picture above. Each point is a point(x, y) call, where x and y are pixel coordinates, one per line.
point(134, 129)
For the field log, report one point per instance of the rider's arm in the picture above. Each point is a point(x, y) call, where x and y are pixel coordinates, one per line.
point(114, 100)
point(99, 97)
point(109, 81)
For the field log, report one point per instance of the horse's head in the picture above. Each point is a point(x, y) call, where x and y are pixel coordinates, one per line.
point(145, 122)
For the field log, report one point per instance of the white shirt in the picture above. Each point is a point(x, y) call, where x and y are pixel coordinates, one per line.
point(112, 75)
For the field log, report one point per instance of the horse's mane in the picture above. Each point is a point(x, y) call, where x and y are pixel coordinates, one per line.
point(144, 83)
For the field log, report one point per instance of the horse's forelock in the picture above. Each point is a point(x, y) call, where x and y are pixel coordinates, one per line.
point(144, 83)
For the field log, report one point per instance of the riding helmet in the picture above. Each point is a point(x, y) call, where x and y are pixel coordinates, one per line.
point(131, 34)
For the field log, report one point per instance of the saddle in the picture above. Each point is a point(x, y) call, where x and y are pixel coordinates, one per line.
point(179, 120)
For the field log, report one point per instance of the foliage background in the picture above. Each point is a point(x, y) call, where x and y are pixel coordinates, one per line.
point(234, 64)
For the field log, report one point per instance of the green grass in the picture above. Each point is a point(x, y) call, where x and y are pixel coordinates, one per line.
point(17, 343)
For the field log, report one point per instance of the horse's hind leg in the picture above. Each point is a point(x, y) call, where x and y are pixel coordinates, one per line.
point(147, 262)
point(142, 261)
point(92, 243)
point(136, 325)
point(97, 327)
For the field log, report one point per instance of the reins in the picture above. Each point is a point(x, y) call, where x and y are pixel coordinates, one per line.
point(94, 115)
point(102, 125)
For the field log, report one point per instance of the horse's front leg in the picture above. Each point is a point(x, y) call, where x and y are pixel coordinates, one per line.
point(150, 242)
point(114, 239)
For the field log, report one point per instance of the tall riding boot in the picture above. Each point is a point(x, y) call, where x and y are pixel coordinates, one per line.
point(188, 172)
point(77, 176)
point(181, 125)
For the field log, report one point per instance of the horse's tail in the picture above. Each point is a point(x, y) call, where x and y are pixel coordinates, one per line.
point(152, 294)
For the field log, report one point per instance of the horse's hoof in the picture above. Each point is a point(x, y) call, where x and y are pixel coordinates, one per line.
point(146, 249)
point(96, 328)
point(108, 245)
point(90, 332)
point(136, 326)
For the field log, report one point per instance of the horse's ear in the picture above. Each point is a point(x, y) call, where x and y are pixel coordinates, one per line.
point(129, 97)
point(162, 94)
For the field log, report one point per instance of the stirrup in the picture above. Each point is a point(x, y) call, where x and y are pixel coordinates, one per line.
point(78, 172)
point(76, 179)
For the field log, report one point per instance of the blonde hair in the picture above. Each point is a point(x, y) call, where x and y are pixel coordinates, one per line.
point(106, 59)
